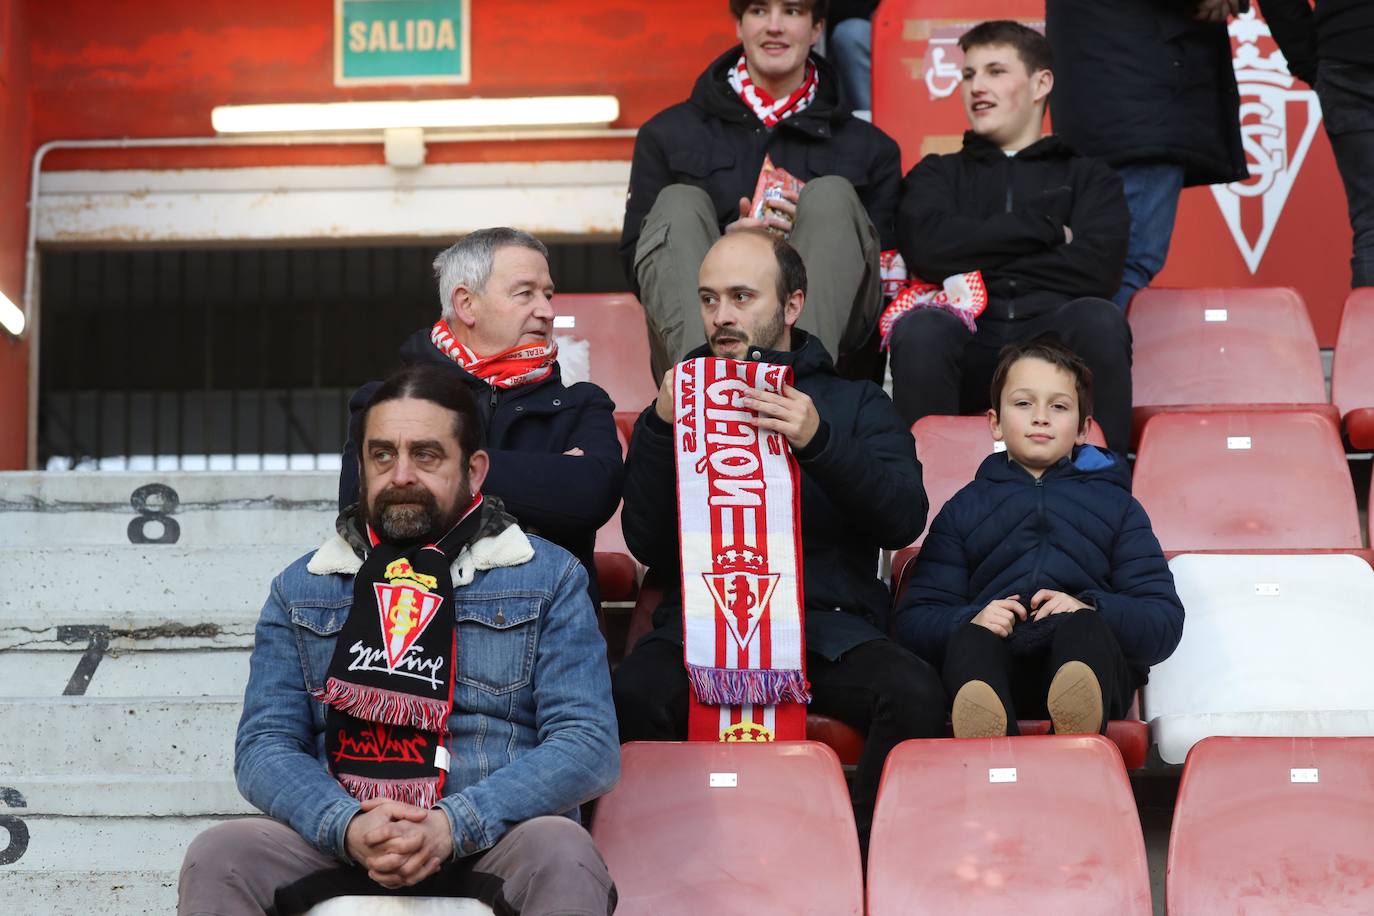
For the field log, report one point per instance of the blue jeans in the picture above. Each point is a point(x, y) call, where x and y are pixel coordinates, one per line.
point(1347, 96)
point(851, 49)
point(1152, 190)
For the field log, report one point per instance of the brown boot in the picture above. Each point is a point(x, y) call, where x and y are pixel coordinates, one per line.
point(1075, 700)
point(977, 712)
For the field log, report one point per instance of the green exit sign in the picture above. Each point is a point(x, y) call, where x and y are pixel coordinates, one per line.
point(402, 41)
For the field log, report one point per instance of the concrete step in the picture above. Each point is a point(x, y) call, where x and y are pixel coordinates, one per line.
point(143, 671)
point(127, 796)
point(78, 736)
point(65, 892)
point(205, 509)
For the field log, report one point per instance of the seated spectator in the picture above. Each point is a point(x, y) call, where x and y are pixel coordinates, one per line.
point(1046, 227)
point(697, 163)
point(446, 750)
point(860, 491)
point(1041, 590)
point(850, 46)
point(1148, 88)
point(555, 457)
point(1331, 48)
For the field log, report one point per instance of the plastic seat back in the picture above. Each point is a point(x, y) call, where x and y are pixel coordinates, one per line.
point(696, 827)
point(1026, 825)
point(617, 346)
point(1352, 370)
point(1274, 826)
point(1246, 481)
point(1272, 645)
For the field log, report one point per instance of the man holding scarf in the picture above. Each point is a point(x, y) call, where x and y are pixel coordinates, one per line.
point(427, 694)
point(696, 165)
point(555, 456)
point(861, 491)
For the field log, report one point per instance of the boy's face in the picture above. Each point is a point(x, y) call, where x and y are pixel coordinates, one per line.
point(777, 36)
point(1038, 415)
point(1001, 97)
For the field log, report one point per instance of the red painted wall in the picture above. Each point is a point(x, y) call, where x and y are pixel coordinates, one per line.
point(14, 190)
point(915, 101)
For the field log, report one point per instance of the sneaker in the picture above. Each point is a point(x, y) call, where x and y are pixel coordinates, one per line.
point(1075, 700)
point(977, 712)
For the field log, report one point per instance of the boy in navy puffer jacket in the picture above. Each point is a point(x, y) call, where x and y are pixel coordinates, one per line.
point(1041, 588)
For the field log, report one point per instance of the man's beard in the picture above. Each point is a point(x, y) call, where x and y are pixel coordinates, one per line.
point(408, 514)
point(767, 338)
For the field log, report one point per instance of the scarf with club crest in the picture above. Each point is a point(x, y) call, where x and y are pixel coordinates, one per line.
point(520, 365)
point(390, 685)
point(739, 515)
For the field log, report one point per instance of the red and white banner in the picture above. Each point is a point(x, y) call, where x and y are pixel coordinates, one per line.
point(739, 514)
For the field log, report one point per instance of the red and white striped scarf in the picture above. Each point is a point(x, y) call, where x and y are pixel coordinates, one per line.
point(740, 535)
point(520, 365)
point(768, 109)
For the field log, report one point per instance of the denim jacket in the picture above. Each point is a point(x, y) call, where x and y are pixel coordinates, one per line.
point(533, 729)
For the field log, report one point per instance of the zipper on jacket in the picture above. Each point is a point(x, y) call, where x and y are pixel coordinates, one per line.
point(1040, 550)
point(1011, 199)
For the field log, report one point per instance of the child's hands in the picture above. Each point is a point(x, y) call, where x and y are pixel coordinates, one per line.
point(1046, 602)
point(1001, 615)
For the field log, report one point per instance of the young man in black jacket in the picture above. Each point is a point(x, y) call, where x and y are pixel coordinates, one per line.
point(861, 490)
point(1046, 227)
point(696, 165)
point(555, 457)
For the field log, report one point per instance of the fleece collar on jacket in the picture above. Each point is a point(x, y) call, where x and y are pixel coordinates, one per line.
point(509, 548)
point(1050, 146)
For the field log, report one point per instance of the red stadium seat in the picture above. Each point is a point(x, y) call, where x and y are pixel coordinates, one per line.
point(1247, 481)
point(1006, 825)
point(1271, 826)
point(696, 827)
point(1352, 371)
point(613, 325)
point(1241, 348)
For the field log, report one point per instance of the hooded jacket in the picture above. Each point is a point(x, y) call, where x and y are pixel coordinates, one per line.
point(860, 490)
point(715, 142)
point(1076, 530)
point(563, 498)
point(980, 209)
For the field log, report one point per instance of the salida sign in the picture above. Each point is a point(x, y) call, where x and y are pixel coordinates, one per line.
point(1285, 225)
point(401, 41)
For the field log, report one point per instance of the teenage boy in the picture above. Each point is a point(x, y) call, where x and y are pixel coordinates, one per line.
point(1041, 589)
point(1046, 227)
point(696, 165)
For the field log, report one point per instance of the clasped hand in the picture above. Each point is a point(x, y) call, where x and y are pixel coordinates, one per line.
point(399, 844)
point(1001, 615)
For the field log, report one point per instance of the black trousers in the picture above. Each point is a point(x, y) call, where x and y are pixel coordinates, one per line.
point(939, 368)
point(877, 687)
point(1346, 91)
point(976, 653)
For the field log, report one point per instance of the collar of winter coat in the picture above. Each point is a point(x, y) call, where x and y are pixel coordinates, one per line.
point(1049, 146)
point(418, 348)
point(807, 356)
point(1085, 462)
point(712, 93)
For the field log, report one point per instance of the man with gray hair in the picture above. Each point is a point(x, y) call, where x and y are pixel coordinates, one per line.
point(555, 459)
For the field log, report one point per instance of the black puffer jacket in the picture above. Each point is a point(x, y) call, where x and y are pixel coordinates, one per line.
point(860, 490)
point(979, 209)
point(713, 141)
point(1143, 81)
point(562, 498)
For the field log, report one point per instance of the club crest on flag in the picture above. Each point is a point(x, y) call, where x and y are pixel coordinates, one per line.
point(407, 605)
point(741, 587)
point(1277, 126)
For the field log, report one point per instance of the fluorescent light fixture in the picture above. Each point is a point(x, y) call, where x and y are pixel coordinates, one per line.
point(11, 316)
point(436, 114)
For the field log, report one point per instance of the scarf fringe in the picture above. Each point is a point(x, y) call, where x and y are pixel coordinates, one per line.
point(377, 705)
point(422, 793)
point(740, 687)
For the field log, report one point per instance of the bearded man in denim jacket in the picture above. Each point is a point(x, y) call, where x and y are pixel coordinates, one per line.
point(525, 733)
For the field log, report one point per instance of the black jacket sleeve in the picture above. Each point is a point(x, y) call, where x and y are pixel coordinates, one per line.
point(560, 495)
point(1090, 265)
point(649, 516)
point(649, 174)
point(871, 474)
point(938, 239)
point(1295, 30)
point(883, 192)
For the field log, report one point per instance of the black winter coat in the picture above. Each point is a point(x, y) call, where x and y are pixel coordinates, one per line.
point(713, 141)
point(979, 209)
point(1340, 30)
point(860, 490)
point(1076, 530)
point(1142, 81)
point(562, 498)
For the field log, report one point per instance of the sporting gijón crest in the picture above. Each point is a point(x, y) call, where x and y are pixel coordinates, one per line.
point(407, 604)
point(741, 586)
